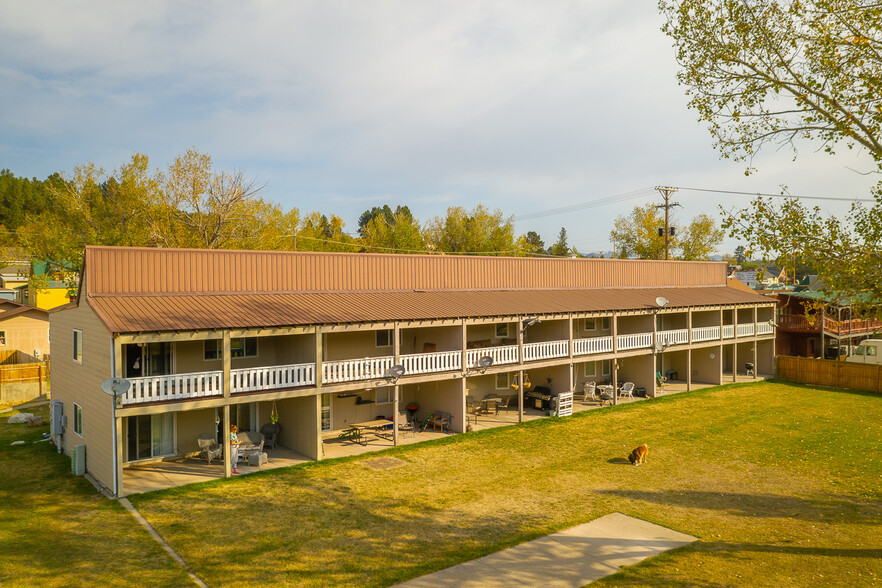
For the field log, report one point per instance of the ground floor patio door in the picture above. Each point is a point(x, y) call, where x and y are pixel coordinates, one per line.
point(150, 436)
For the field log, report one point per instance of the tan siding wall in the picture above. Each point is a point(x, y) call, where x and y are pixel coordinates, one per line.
point(191, 424)
point(444, 338)
point(580, 332)
point(359, 344)
point(299, 421)
point(26, 333)
point(190, 357)
point(706, 318)
point(81, 383)
point(262, 271)
point(707, 368)
point(544, 331)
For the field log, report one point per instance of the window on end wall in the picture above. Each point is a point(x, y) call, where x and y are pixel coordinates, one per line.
point(78, 346)
point(239, 347)
point(78, 419)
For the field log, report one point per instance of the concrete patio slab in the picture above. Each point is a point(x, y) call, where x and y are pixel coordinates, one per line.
point(570, 558)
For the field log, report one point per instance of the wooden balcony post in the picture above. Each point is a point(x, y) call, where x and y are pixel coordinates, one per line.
point(319, 380)
point(226, 383)
point(570, 349)
point(520, 328)
point(396, 346)
point(755, 341)
point(689, 352)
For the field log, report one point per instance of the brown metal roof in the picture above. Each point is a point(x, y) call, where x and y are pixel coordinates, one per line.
point(128, 270)
point(143, 289)
point(189, 312)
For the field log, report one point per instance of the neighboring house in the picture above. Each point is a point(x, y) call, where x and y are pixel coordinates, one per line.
point(750, 277)
point(24, 328)
point(813, 324)
point(54, 290)
point(210, 338)
point(13, 276)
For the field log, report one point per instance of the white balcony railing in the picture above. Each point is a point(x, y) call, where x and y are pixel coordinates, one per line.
point(700, 334)
point(745, 330)
point(764, 329)
point(173, 387)
point(426, 363)
point(352, 370)
point(272, 377)
point(501, 355)
point(545, 350)
point(592, 345)
point(673, 337)
point(728, 331)
point(634, 341)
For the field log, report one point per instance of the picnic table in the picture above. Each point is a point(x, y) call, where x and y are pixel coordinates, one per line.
point(356, 431)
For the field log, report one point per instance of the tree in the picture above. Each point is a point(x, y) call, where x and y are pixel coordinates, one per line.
point(479, 231)
point(560, 248)
point(637, 235)
point(700, 238)
point(763, 71)
point(400, 234)
point(740, 254)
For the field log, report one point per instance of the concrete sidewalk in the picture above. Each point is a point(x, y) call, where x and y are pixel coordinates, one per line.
point(570, 558)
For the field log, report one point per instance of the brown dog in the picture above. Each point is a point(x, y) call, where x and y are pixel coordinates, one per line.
point(638, 456)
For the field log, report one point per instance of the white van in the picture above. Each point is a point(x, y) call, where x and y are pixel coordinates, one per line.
point(869, 351)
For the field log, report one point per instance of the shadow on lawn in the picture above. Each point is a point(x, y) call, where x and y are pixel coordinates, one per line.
point(828, 508)
point(726, 549)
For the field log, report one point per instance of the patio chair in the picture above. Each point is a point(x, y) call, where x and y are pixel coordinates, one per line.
point(270, 434)
point(627, 389)
point(473, 408)
point(504, 405)
point(589, 392)
point(442, 419)
point(405, 423)
point(209, 448)
point(660, 380)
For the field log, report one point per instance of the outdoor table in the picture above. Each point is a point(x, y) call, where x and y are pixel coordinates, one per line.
point(358, 430)
point(485, 404)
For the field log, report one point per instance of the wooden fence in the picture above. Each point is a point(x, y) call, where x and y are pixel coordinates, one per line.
point(22, 377)
point(830, 372)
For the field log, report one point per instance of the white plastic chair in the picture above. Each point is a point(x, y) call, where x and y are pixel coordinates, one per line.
point(627, 389)
point(589, 392)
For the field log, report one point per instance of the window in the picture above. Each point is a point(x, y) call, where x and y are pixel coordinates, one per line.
point(78, 346)
point(78, 419)
point(605, 366)
point(501, 381)
point(239, 347)
point(384, 338)
point(590, 325)
point(604, 323)
point(2, 337)
point(385, 395)
point(502, 330)
point(590, 369)
point(871, 351)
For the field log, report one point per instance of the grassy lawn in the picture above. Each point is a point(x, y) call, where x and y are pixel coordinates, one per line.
point(56, 530)
point(781, 483)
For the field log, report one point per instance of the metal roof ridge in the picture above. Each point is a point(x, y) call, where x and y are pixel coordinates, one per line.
point(389, 291)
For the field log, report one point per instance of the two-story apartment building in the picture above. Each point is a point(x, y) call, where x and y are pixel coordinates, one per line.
point(210, 338)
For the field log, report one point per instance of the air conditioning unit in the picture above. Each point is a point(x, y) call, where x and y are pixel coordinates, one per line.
point(78, 460)
point(36, 353)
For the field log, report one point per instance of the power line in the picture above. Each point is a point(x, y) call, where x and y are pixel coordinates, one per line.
point(589, 204)
point(794, 196)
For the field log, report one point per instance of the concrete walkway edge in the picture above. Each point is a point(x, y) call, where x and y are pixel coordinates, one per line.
point(568, 559)
point(162, 542)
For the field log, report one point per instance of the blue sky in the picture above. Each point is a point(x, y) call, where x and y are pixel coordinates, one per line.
point(340, 106)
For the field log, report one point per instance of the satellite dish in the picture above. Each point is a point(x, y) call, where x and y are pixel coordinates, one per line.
point(116, 386)
point(661, 301)
point(485, 362)
point(395, 372)
point(659, 346)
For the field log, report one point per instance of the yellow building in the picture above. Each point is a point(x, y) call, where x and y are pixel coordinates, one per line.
point(55, 294)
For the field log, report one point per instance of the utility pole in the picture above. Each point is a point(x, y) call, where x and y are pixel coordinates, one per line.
point(666, 192)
